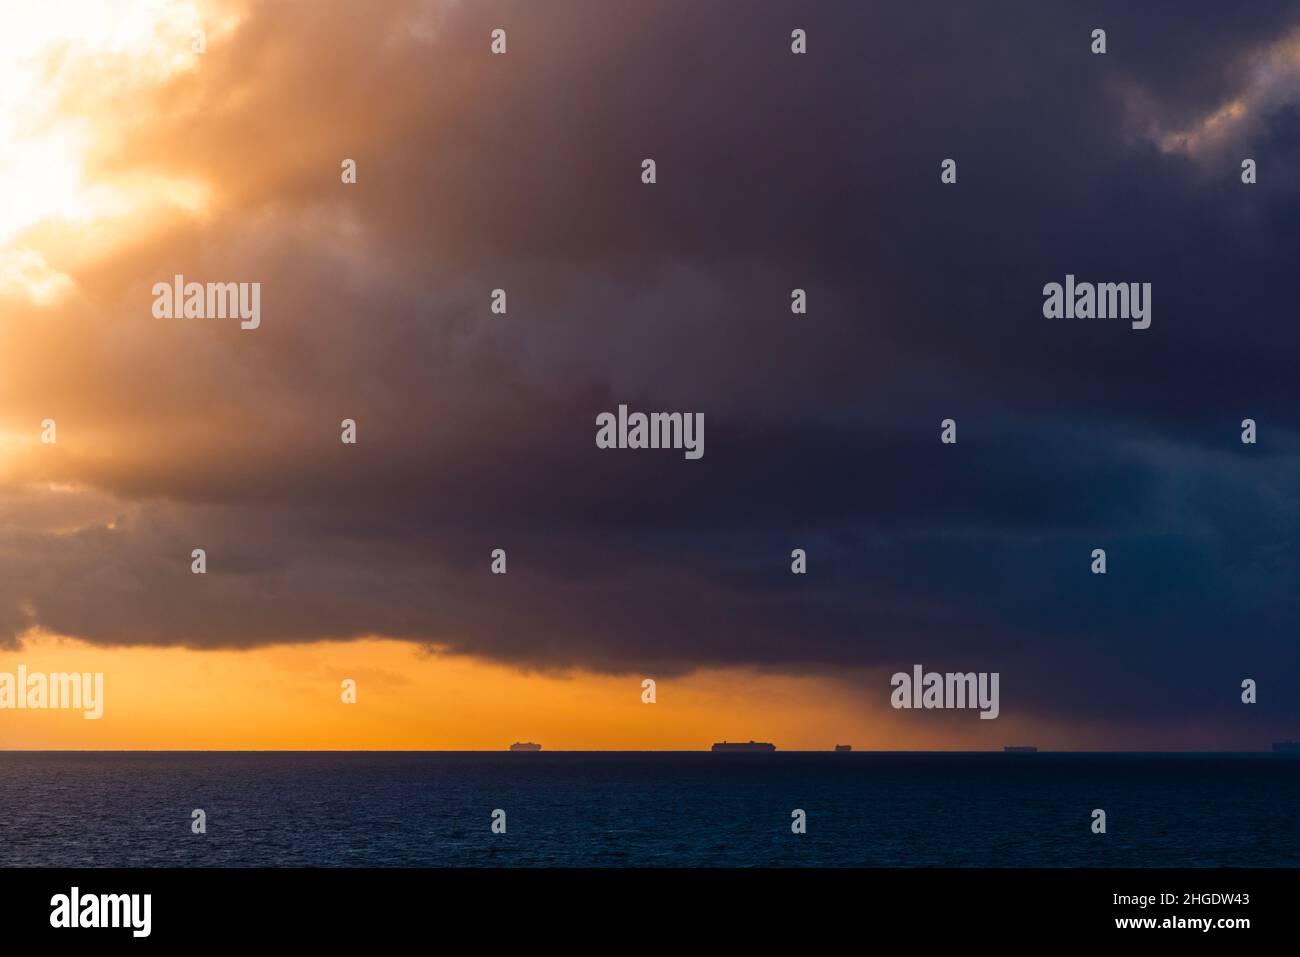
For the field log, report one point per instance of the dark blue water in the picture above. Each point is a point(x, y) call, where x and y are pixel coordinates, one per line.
point(647, 809)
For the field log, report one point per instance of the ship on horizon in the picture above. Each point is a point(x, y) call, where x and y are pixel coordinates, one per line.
point(733, 746)
point(525, 746)
point(1286, 747)
point(1020, 749)
point(843, 747)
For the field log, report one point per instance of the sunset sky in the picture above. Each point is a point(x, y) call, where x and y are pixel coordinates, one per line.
point(128, 158)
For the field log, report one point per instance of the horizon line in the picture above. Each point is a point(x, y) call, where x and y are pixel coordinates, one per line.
point(507, 750)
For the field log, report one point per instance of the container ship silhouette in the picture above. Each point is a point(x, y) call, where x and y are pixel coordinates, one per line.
point(743, 746)
point(525, 746)
point(1020, 749)
point(843, 747)
point(1287, 747)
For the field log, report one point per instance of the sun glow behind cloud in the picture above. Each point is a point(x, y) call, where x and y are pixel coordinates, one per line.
point(68, 72)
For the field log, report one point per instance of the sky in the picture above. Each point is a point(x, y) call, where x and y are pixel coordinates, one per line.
point(130, 158)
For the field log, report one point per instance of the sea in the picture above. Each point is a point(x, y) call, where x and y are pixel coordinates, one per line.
point(647, 809)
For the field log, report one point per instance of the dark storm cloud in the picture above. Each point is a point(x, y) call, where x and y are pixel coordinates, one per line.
point(822, 432)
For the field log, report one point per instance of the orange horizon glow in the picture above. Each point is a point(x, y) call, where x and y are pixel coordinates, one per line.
point(289, 698)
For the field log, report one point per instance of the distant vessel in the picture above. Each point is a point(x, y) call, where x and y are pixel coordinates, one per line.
point(525, 746)
point(843, 747)
point(743, 746)
point(1020, 749)
point(1287, 747)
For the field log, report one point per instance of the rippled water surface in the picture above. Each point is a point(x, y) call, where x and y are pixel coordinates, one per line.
point(676, 809)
